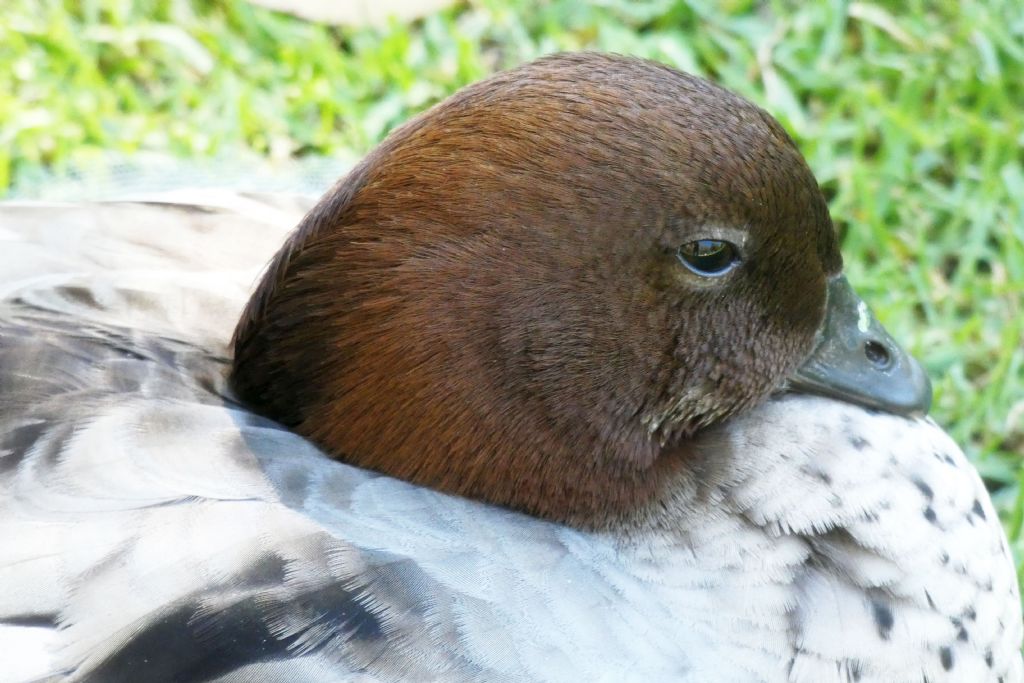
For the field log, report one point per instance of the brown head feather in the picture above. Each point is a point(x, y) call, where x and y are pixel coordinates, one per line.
point(490, 304)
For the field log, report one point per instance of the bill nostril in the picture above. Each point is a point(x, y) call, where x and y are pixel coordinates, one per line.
point(877, 354)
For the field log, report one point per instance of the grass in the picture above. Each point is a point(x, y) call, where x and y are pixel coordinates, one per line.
point(910, 117)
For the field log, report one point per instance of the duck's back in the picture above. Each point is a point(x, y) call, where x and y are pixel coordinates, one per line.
point(156, 530)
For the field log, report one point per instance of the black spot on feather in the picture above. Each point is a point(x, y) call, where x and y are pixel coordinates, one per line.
point(32, 620)
point(924, 488)
point(946, 657)
point(883, 618)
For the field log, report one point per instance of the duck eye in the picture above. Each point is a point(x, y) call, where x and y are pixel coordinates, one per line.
point(708, 257)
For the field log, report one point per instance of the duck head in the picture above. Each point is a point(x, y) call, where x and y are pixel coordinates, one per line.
point(536, 292)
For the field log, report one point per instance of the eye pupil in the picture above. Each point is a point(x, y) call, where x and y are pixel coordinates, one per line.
point(708, 257)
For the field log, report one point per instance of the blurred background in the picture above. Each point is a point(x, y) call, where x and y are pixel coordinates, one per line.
point(911, 114)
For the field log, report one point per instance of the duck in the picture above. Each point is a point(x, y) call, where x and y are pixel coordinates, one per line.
point(562, 382)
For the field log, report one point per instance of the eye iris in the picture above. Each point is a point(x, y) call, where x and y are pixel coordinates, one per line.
point(708, 257)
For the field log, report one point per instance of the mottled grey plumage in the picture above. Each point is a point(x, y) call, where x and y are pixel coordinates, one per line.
point(155, 530)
